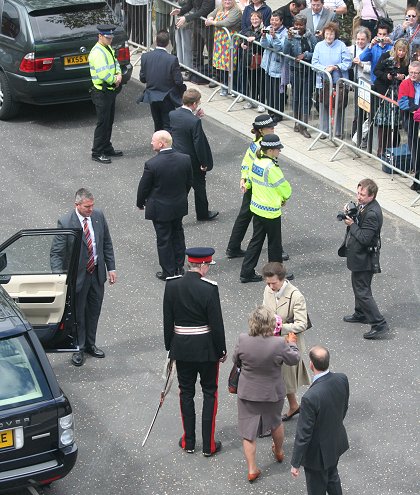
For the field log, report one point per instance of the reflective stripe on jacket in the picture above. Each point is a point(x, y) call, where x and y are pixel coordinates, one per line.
point(248, 160)
point(103, 67)
point(269, 188)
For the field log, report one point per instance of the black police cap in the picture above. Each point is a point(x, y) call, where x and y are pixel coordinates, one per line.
point(106, 29)
point(263, 120)
point(271, 141)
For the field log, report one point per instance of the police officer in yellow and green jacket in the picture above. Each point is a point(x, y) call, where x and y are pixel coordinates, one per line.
point(270, 191)
point(262, 125)
point(106, 77)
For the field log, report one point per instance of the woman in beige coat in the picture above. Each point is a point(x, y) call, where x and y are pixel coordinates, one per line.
point(288, 302)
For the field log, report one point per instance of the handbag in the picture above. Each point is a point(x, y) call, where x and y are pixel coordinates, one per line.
point(233, 379)
point(292, 320)
point(340, 95)
point(255, 61)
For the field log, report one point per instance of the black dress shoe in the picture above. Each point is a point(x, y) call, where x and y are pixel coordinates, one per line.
point(212, 84)
point(180, 271)
point(415, 187)
point(218, 449)
point(284, 256)
point(323, 137)
point(290, 276)
point(376, 333)
point(237, 253)
point(162, 276)
point(354, 318)
point(253, 278)
point(187, 450)
point(114, 153)
point(95, 351)
point(211, 216)
point(78, 358)
point(101, 159)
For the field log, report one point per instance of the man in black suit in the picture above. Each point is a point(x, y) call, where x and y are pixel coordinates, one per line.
point(95, 260)
point(189, 138)
point(320, 434)
point(361, 247)
point(163, 190)
point(164, 84)
point(195, 337)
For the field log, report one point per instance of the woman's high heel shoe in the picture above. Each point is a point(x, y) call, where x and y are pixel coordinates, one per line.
point(253, 476)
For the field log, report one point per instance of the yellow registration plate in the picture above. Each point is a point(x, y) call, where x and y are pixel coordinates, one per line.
point(6, 439)
point(76, 60)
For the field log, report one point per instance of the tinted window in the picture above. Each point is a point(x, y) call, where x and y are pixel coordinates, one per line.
point(22, 378)
point(10, 25)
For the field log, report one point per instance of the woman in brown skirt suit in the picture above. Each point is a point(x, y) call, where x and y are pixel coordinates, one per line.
point(261, 389)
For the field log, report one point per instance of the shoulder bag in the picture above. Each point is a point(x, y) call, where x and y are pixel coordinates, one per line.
point(290, 319)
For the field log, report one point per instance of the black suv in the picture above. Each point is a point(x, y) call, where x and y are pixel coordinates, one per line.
point(44, 48)
point(36, 422)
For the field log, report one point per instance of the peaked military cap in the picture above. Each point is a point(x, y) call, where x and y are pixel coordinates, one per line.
point(200, 255)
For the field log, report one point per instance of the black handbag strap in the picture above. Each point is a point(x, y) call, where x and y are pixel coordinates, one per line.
point(290, 302)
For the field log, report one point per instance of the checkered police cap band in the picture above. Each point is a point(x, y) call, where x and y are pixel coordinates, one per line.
point(271, 143)
point(263, 121)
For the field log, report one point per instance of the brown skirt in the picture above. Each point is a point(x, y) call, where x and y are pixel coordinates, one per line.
point(255, 418)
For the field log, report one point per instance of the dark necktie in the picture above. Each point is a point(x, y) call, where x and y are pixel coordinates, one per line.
point(91, 260)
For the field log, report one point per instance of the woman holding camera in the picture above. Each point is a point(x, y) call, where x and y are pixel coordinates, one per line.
point(261, 388)
point(391, 69)
point(409, 30)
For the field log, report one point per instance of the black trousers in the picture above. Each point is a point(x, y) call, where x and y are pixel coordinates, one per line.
point(364, 302)
point(170, 242)
point(200, 194)
point(104, 102)
point(160, 114)
point(270, 227)
point(88, 306)
point(322, 482)
point(241, 223)
point(209, 377)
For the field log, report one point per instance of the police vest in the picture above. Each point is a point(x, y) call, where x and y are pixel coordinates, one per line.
point(250, 155)
point(269, 188)
point(103, 67)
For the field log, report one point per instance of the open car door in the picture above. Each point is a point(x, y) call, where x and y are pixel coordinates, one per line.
point(38, 269)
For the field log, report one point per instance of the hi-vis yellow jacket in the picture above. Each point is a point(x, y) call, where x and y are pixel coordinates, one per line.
point(103, 67)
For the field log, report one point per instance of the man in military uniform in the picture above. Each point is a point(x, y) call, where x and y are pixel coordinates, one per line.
point(195, 338)
point(106, 78)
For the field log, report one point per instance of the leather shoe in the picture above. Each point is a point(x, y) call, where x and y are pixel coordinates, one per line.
point(211, 216)
point(95, 351)
point(253, 278)
point(323, 137)
point(253, 476)
point(278, 455)
point(218, 449)
point(284, 256)
point(115, 153)
point(212, 84)
point(237, 253)
point(101, 159)
point(286, 417)
point(354, 318)
point(162, 276)
point(376, 333)
point(78, 358)
point(290, 276)
point(305, 133)
point(188, 451)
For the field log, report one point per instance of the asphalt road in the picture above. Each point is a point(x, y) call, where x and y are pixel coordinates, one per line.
point(45, 157)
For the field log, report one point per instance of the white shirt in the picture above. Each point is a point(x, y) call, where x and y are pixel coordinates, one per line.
point(92, 233)
point(320, 374)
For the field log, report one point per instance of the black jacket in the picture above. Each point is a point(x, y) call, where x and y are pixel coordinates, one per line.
point(189, 138)
point(164, 186)
point(382, 69)
point(193, 301)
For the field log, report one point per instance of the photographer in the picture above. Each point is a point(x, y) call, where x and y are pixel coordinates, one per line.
point(361, 248)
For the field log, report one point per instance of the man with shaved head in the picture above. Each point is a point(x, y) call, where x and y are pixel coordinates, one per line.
point(320, 434)
point(163, 192)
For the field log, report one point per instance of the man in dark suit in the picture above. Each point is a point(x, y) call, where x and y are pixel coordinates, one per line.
point(195, 337)
point(320, 434)
point(95, 260)
point(189, 138)
point(164, 84)
point(289, 11)
point(361, 247)
point(317, 17)
point(163, 190)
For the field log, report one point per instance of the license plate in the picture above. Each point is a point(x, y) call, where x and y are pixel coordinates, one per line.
point(76, 60)
point(6, 439)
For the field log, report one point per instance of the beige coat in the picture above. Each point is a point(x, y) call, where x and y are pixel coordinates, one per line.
point(294, 376)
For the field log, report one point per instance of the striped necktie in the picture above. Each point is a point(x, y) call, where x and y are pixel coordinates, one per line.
point(91, 260)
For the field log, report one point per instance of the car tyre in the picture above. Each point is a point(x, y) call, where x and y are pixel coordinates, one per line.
point(8, 106)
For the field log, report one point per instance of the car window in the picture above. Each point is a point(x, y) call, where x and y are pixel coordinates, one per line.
point(22, 378)
point(32, 255)
point(10, 25)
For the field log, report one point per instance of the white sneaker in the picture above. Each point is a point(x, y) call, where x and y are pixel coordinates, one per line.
point(241, 99)
point(223, 92)
point(248, 105)
point(260, 109)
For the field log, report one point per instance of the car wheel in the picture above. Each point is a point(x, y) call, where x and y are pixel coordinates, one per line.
point(8, 106)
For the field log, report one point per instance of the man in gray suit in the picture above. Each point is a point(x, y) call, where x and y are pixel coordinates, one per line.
point(320, 434)
point(317, 17)
point(96, 258)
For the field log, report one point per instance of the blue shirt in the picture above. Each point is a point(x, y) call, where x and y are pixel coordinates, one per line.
point(417, 90)
point(320, 374)
point(373, 55)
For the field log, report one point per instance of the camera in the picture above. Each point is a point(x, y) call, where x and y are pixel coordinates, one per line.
point(380, 40)
point(374, 256)
point(389, 65)
point(295, 33)
point(350, 210)
point(265, 30)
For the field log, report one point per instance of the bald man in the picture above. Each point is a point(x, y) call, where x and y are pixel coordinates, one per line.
point(163, 192)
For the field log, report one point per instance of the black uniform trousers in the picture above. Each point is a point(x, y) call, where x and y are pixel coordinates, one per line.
point(270, 227)
point(200, 194)
point(88, 306)
point(160, 114)
point(322, 482)
point(170, 242)
point(365, 305)
point(104, 102)
point(241, 223)
point(209, 377)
